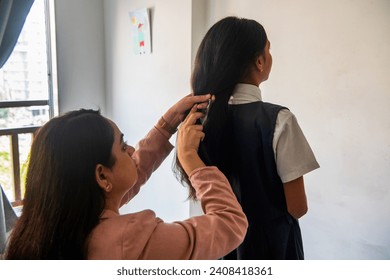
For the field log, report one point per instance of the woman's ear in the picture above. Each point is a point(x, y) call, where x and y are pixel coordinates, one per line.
point(102, 178)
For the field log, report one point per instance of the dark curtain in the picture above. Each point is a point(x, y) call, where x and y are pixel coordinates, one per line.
point(13, 14)
point(8, 218)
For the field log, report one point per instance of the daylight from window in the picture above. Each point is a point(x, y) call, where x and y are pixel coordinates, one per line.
point(24, 77)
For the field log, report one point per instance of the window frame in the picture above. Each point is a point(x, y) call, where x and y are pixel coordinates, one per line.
point(51, 102)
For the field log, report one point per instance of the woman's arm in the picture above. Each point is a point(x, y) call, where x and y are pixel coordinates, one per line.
point(210, 236)
point(152, 150)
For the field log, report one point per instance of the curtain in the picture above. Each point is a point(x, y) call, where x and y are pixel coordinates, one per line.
point(13, 14)
point(8, 218)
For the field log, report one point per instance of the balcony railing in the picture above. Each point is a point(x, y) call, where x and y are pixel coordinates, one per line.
point(14, 133)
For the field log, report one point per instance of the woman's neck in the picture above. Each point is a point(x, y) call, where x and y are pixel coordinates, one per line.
point(112, 204)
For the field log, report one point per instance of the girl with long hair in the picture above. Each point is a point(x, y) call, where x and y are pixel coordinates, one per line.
point(257, 145)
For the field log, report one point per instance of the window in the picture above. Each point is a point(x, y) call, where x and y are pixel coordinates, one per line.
point(27, 97)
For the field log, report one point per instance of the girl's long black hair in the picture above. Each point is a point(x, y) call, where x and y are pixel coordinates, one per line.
point(222, 60)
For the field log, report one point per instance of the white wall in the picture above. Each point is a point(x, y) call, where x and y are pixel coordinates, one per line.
point(80, 54)
point(331, 68)
point(142, 87)
point(132, 90)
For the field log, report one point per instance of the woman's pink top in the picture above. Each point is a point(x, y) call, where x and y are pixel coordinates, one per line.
point(142, 235)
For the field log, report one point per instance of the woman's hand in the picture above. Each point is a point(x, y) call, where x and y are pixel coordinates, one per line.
point(188, 139)
point(176, 114)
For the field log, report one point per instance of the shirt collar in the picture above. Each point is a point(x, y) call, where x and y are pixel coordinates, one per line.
point(245, 93)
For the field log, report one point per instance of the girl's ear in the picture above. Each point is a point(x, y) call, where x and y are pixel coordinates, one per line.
point(102, 178)
point(260, 63)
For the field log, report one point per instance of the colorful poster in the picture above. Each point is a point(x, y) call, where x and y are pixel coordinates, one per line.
point(140, 31)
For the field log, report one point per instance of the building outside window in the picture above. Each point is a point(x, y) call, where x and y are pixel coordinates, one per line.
point(27, 97)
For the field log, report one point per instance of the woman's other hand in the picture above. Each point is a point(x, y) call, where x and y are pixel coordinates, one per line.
point(188, 139)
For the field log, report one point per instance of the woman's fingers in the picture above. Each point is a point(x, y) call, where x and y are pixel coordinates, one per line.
point(201, 98)
point(205, 103)
point(192, 117)
point(190, 133)
point(191, 100)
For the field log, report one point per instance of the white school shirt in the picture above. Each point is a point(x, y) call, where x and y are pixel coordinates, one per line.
point(293, 154)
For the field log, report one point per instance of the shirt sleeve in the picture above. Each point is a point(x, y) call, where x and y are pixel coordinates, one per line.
point(293, 154)
point(209, 236)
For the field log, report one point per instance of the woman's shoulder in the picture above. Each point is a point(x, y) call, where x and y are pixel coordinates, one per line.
point(141, 216)
point(116, 224)
point(113, 237)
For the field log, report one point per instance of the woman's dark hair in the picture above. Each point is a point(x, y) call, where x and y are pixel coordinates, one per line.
point(222, 60)
point(63, 201)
